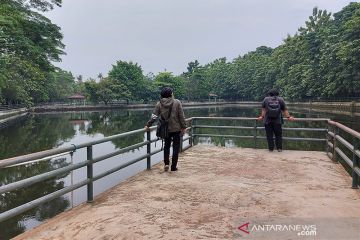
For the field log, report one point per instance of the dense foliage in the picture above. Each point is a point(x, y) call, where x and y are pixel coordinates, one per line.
point(321, 60)
point(29, 43)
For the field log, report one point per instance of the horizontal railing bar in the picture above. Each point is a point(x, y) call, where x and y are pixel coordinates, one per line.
point(303, 139)
point(331, 134)
point(260, 137)
point(306, 129)
point(225, 118)
point(40, 160)
point(125, 165)
point(345, 128)
point(260, 128)
point(38, 178)
point(27, 206)
point(120, 167)
point(157, 151)
point(253, 118)
point(330, 145)
point(33, 156)
point(330, 155)
point(107, 139)
point(344, 157)
point(187, 147)
point(345, 143)
point(120, 151)
point(41, 177)
point(226, 136)
point(357, 170)
point(37, 155)
point(186, 138)
point(223, 127)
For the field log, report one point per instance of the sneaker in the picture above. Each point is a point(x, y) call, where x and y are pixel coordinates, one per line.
point(166, 168)
point(271, 150)
point(174, 169)
point(280, 150)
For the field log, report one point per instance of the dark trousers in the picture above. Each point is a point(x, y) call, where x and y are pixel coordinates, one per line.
point(271, 129)
point(175, 137)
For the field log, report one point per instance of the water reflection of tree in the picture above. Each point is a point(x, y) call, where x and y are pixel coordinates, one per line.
point(36, 133)
point(119, 122)
point(14, 226)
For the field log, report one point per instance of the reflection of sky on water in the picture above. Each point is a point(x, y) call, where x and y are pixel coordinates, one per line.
point(45, 131)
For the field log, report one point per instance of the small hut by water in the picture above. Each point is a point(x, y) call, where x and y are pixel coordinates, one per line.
point(213, 95)
point(77, 99)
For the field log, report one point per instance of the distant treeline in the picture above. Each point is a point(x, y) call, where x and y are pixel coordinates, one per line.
point(322, 60)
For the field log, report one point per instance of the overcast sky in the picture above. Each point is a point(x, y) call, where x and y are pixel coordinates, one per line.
point(167, 34)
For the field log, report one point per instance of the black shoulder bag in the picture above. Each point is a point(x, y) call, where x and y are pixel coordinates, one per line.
point(162, 130)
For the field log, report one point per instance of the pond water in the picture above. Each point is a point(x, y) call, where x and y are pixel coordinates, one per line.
point(39, 132)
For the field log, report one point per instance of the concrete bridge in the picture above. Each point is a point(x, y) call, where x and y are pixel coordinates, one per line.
point(218, 193)
point(221, 193)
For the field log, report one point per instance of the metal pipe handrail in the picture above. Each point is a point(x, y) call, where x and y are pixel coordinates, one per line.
point(253, 118)
point(48, 154)
point(38, 155)
point(345, 128)
point(354, 164)
point(44, 176)
point(260, 137)
point(29, 181)
point(261, 128)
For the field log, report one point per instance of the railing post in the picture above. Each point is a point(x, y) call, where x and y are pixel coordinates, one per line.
point(190, 134)
point(327, 136)
point(355, 177)
point(336, 132)
point(181, 142)
point(90, 194)
point(148, 150)
point(255, 134)
point(193, 123)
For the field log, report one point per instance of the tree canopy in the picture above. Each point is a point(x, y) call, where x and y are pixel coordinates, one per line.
point(29, 43)
point(321, 60)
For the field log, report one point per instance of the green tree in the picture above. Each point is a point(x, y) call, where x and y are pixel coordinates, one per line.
point(29, 43)
point(91, 89)
point(61, 85)
point(109, 90)
point(167, 79)
point(130, 75)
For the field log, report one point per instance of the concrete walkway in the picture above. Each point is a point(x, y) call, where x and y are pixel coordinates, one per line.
point(275, 195)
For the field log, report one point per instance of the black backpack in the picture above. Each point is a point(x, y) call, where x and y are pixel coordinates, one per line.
point(162, 130)
point(273, 108)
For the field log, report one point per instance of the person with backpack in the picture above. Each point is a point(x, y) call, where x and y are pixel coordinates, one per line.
point(171, 125)
point(273, 107)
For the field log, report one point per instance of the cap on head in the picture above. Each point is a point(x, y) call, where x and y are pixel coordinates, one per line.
point(166, 92)
point(273, 92)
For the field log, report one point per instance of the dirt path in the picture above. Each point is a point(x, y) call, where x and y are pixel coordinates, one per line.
point(215, 191)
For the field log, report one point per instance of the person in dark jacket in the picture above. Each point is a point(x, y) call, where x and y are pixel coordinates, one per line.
point(177, 125)
point(272, 109)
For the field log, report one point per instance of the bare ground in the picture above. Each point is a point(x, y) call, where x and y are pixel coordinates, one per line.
point(214, 192)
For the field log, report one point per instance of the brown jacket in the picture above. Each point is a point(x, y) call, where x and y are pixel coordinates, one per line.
point(177, 118)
